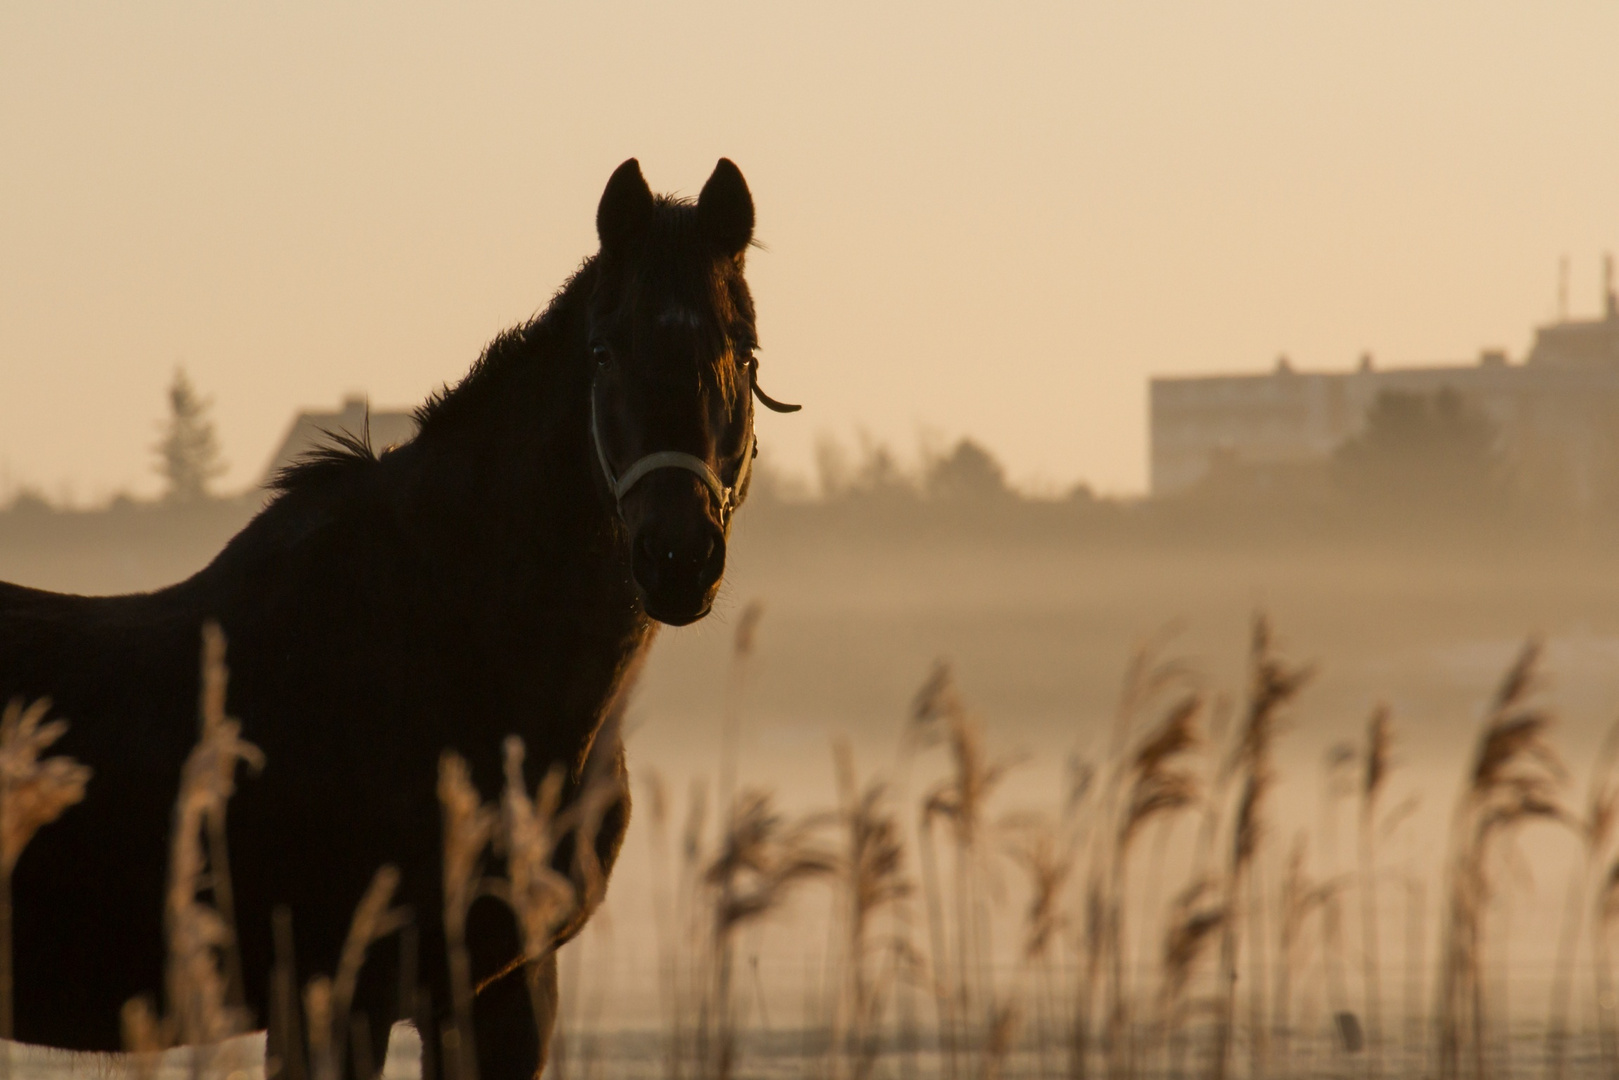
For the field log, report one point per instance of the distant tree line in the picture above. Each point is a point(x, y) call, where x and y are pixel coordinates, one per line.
point(1420, 461)
point(188, 456)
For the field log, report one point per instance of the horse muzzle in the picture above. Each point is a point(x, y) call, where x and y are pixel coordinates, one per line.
point(677, 567)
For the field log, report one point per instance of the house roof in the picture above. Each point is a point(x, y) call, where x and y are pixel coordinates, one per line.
point(310, 430)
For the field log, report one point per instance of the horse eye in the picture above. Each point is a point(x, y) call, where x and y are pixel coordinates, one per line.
point(601, 352)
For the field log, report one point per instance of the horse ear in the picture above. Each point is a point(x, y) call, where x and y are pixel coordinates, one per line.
point(625, 208)
point(725, 209)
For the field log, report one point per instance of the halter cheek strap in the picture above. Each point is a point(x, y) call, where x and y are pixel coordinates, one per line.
point(728, 498)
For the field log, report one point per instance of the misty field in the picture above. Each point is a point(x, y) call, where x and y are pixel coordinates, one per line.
point(957, 807)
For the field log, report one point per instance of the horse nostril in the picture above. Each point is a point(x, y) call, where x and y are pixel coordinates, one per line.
point(645, 564)
point(681, 563)
point(713, 564)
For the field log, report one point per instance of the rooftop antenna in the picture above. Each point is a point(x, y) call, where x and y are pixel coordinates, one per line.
point(1562, 289)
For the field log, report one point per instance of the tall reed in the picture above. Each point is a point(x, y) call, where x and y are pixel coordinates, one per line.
point(34, 792)
point(1196, 916)
point(871, 876)
point(936, 709)
point(1301, 896)
point(742, 646)
point(201, 935)
point(1150, 783)
point(1515, 778)
point(1606, 916)
point(1272, 683)
point(1379, 743)
point(468, 827)
point(328, 1002)
point(961, 801)
point(540, 897)
point(1594, 830)
point(1047, 860)
point(1139, 784)
point(761, 859)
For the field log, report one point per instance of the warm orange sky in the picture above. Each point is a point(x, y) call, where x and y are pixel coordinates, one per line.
point(997, 219)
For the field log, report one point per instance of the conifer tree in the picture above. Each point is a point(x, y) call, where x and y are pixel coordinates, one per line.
point(188, 453)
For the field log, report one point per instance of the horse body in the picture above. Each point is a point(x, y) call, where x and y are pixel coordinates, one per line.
point(474, 583)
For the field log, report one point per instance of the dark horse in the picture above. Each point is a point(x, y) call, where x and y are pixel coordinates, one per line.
point(500, 574)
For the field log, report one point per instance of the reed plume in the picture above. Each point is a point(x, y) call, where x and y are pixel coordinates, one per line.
point(328, 1001)
point(936, 709)
point(539, 895)
point(742, 646)
point(34, 792)
point(960, 801)
point(1379, 743)
point(201, 935)
point(871, 873)
point(1607, 914)
point(1040, 850)
point(1594, 830)
point(1272, 683)
point(469, 826)
point(1301, 897)
point(762, 858)
point(1155, 786)
point(1196, 916)
point(665, 921)
point(1515, 778)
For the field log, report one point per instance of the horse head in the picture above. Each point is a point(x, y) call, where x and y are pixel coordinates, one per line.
point(672, 340)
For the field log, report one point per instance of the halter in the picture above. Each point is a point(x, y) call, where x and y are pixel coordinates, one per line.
point(729, 498)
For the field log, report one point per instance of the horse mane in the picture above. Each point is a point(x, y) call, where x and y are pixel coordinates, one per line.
point(339, 453)
point(450, 406)
point(342, 452)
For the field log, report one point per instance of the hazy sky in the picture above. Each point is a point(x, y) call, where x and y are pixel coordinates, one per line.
point(996, 219)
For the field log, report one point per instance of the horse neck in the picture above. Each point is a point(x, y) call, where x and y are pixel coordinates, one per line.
point(510, 447)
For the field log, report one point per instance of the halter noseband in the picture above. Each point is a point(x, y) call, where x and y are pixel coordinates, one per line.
point(729, 498)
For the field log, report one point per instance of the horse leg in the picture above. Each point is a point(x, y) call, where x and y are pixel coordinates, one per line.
point(507, 1041)
point(381, 998)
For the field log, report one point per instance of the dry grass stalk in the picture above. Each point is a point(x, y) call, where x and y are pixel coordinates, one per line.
point(1607, 915)
point(1301, 897)
point(469, 826)
point(936, 709)
point(670, 999)
point(690, 953)
point(541, 897)
point(547, 903)
point(960, 801)
point(215, 680)
point(742, 646)
point(999, 1040)
point(1155, 787)
point(327, 1002)
point(1272, 683)
point(33, 793)
point(1515, 778)
point(200, 935)
point(872, 878)
point(318, 1021)
point(1196, 916)
point(1595, 831)
point(1038, 848)
point(762, 858)
point(1379, 744)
